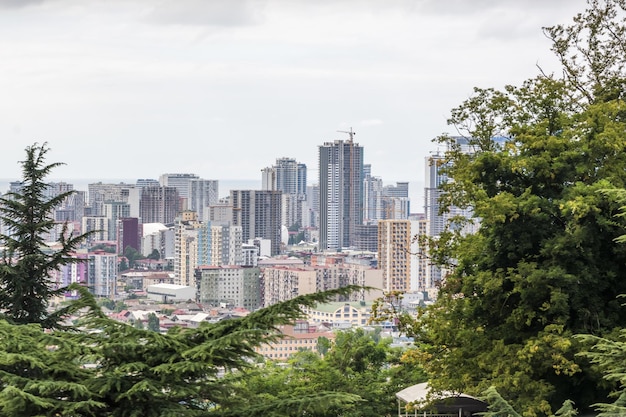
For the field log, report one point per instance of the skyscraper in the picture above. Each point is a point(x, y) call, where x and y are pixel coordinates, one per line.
point(289, 177)
point(158, 204)
point(372, 197)
point(394, 254)
point(435, 178)
point(341, 193)
point(178, 181)
point(202, 194)
point(258, 212)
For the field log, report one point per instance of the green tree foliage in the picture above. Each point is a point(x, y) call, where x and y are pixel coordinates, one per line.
point(545, 264)
point(132, 255)
point(123, 265)
point(27, 262)
point(357, 366)
point(499, 407)
point(112, 369)
point(153, 322)
point(155, 255)
point(103, 247)
point(145, 373)
point(38, 375)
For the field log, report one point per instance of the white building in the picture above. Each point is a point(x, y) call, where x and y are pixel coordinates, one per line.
point(354, 313)
point(235, 285)
point(102, 273)
point(167, 293)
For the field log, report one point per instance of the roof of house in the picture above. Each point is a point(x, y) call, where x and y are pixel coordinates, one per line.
point(444, 401)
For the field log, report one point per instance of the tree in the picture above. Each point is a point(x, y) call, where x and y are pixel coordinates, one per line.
point(112, 369)
point(123, 265)
point(27, 262)
point(153, 322)
point(146, 373)
point(544, 264)
point(154, 255)
point(356, 365)
point(40, 373)
point(132, 255)
point(609, 354)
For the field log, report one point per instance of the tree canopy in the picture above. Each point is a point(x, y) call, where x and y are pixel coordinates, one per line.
point(545, 263)
point(27, 262)
point(114, 369)
point(357, 364)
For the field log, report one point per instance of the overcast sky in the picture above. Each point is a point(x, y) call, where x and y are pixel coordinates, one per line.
point(221, 88)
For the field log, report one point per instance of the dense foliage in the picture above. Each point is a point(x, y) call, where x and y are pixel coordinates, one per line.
point(357, 364)
point(545, 264)
point(114, 369)
point(27, 262)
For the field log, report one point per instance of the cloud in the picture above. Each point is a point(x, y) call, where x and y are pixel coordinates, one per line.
point(479, 7)
point(18, 4)
point(221, 13)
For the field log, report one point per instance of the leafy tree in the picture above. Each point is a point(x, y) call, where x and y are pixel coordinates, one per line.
point(123, 266)
point(27, 263)
point(38, 375)
point(107, 302)
point(544, 264)
point(355, 365)
point(323, 345)
point(153, 322)
point(112, 369)
point(154, 255)
point(103, 247)
point(132, 255)
point(146, 373)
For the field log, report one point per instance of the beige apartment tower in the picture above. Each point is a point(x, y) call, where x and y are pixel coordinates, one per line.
point(394, 254)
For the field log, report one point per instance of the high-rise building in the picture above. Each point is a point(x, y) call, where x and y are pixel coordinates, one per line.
point(186, 248)
point(396, 202)
point(366, 238)
point(289, 177)
point(113, 211)
point(372, 197)
point(158, 204)
point(439, 220)
point(341, 193)
point(129, 233)
point(102, 273)
point(313, 205)
point(259, 213)
point(219, 244)
point(202, 195)
point(432, 193)
point(435, 178)
point(421, 268)
point(178, 181)
point(99, 193)
point(147, 182)
point(394, 254)
point(97, 226)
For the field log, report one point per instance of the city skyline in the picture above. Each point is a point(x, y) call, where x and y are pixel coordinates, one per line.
point(222, 88)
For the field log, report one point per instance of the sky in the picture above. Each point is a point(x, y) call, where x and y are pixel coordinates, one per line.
point(222, 88)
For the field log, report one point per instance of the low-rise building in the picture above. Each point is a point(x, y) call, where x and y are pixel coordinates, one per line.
point(301, 336)
point(336, 314)
point(166, 293)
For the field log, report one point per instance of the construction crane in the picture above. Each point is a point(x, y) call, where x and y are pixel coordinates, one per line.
point(349, 132)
